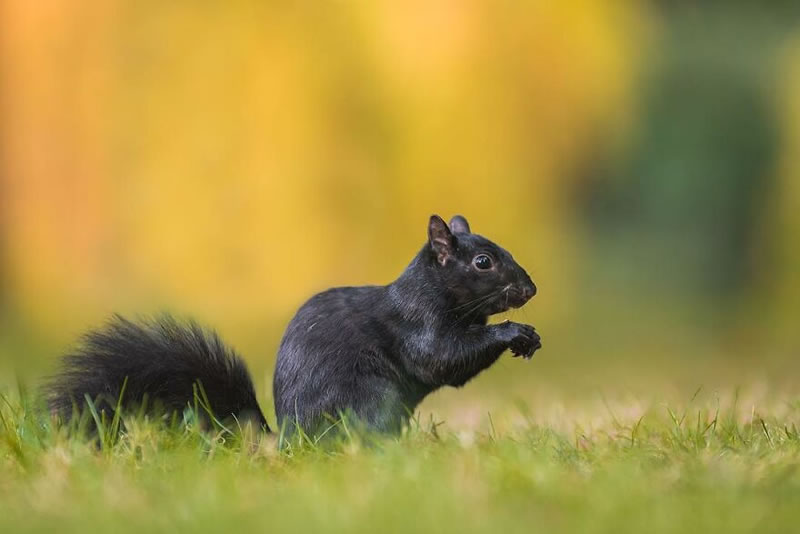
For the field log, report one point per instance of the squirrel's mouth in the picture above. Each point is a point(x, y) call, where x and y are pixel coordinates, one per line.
point(507, 298)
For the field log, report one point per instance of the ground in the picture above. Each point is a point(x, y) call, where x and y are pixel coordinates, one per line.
point(714, 461)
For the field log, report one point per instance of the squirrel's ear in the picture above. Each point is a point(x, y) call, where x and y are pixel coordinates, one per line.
point(441, 239)
point(459, 225)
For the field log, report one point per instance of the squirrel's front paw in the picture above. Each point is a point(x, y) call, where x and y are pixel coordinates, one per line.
point(523, 340)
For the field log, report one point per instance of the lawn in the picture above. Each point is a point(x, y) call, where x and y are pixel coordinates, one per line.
point(715, 461)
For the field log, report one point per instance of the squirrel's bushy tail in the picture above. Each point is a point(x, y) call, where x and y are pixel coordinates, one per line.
point(162, 360)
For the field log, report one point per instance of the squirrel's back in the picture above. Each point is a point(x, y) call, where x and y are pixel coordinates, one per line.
point(335, 357)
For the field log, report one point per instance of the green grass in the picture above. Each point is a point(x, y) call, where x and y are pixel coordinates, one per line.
point(713, 463)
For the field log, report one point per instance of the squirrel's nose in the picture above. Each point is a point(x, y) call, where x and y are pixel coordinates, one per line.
point(529, 290)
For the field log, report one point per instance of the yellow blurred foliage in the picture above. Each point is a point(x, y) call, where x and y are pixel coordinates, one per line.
point(229, 159)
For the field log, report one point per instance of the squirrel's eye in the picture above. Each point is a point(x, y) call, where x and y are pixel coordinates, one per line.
point(482, 262)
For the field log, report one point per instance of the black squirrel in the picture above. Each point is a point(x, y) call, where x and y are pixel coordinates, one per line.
point(371, 352)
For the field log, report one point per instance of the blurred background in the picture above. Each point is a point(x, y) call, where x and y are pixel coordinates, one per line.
point(225, 161)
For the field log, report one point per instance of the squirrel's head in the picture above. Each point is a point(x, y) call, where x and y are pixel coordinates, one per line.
point(480, 276)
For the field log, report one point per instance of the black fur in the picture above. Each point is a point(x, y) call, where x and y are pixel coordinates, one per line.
point(162, 359)
point(376, 352)
point(371, 352)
